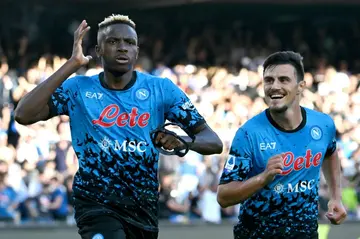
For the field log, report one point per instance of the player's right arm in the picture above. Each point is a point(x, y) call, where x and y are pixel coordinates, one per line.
point(235, 184)
point(33, 107)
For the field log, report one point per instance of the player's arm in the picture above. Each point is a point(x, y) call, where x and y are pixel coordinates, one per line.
point(235, 185)
point(207, 141)
point(33, 107)
point(332, 173)
point(181, 110)
point(331, 166)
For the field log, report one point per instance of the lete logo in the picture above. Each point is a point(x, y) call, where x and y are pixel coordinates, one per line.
point(110, 116)
point(309, 160)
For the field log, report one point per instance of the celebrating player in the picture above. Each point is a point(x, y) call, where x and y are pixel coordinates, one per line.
point(273, 168)
point(112, 116)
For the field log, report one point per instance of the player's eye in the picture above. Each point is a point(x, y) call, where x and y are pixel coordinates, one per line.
point(112, 41)
point(130, 41)
point(268, 80)
point(284, 79)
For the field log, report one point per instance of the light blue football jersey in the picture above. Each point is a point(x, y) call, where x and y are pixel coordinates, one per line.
point(289, 204)
point(110, 132)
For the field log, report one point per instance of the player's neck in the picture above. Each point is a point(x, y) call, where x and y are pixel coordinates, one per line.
point(117, 81)
point(288, 120)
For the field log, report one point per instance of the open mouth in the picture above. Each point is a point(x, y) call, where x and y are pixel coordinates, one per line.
point(277, 97)
point(122, 59)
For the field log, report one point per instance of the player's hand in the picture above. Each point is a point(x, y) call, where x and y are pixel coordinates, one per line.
point(168, 141)
point(274, 167)
point(77, 53)
point(336, 212)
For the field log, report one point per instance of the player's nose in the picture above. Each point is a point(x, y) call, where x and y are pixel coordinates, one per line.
point(122, 50)
point(276, 85)
point(121, 47)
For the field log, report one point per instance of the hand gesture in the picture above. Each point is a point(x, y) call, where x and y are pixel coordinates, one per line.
point(77, 54)
point(274, 167)
point(336, 212)
point(168, 141)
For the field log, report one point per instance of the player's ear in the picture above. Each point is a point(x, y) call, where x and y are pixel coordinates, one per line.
point(301, 87)
point(137, 53)
point(98, 50)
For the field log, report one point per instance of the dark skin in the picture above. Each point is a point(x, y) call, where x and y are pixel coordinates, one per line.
point(118, 50)
point(118, 40)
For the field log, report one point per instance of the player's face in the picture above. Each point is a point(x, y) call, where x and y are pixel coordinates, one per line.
point(118, 48)
point(281, 87)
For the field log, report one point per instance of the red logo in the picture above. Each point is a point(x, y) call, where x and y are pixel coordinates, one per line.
point(290, 163)
point(110, 116)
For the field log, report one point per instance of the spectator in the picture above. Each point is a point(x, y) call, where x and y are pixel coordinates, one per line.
point(8, 197)
point(220, 69)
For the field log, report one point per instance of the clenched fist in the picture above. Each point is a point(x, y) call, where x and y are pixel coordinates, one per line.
point(274, 167)
point(168, 141)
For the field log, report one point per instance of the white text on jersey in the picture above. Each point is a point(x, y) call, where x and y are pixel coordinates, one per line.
point(125, 146)
point(266, 146)
point(92, 95)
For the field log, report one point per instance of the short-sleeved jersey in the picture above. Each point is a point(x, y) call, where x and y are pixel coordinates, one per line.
point(288, 205)
point(110, 132)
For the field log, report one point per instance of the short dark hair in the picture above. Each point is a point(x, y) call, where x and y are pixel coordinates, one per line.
point(286, 57)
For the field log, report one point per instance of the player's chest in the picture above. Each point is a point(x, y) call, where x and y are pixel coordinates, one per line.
point(123, 109)
point(298, 151)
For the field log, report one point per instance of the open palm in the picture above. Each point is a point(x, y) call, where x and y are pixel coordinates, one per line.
point(77, 54)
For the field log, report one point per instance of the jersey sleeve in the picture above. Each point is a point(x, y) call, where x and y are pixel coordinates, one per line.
point(240, 160)
point(179, 109)
point(60, 100)
point(332, 139)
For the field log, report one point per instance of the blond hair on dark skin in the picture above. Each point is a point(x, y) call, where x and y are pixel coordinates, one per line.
point(116, 18)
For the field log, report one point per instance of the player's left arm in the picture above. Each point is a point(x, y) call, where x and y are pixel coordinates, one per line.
point(206, 142)
point(332, 172)
point(180, 110)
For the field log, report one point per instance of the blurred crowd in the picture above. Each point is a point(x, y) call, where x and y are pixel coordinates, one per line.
point(221, 72)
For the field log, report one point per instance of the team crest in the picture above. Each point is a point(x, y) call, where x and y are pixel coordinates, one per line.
point(98, 236)
point(316, 133)
point(142, 94)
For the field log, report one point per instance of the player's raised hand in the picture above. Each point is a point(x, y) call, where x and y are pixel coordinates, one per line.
point(274, 167)
point(336, 212)
point(77, 53)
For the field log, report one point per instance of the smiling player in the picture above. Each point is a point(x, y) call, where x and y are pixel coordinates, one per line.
point(111, 117)
point(274, 165)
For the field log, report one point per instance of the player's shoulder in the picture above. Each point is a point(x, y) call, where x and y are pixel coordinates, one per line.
point(83, 77)
point(143, 76)
point(257, 122)
point(79, 79)
point(314, 116)
point(253, 125)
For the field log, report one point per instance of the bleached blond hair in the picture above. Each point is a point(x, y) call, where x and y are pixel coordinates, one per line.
point(113, 19)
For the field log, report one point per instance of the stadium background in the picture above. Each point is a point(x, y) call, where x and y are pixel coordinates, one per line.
point(213, 50)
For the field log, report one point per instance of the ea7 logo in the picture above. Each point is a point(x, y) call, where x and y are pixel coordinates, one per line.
point(266, 146)
point(92, 95)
